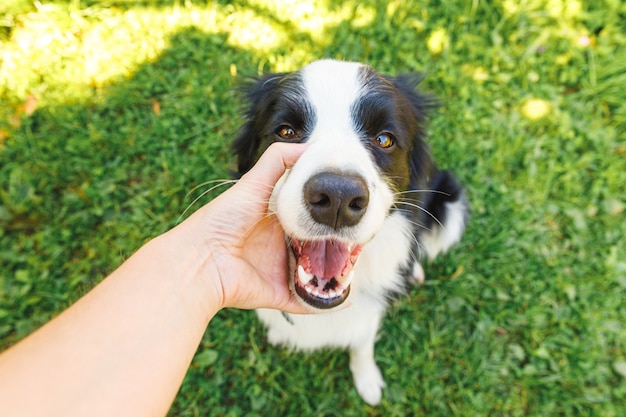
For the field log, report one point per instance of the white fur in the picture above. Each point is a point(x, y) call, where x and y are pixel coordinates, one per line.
point(355, 327)
point(332, 88)
point(441, 238)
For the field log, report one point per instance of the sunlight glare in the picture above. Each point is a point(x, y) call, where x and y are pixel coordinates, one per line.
point(252, 32)
point(535, 109)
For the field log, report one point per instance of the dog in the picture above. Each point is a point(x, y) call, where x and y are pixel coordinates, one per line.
point(361, 209)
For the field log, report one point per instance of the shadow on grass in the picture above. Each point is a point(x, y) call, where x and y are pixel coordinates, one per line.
point(89, 182)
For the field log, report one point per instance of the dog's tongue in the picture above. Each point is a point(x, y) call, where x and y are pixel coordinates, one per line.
point(327, 258)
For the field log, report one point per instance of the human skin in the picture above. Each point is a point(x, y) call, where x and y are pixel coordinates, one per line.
point(124, 348)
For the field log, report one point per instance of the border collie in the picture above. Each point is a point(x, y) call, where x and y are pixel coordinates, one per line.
point(362, 207)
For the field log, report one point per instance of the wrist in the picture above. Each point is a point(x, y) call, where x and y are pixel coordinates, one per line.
point(192, 266)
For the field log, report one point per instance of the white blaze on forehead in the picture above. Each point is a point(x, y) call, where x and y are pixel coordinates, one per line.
point(332, 87)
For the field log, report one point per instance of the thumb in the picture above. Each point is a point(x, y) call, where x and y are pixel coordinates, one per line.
point(273, 163)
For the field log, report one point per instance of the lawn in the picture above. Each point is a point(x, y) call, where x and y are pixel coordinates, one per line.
point(114, 113)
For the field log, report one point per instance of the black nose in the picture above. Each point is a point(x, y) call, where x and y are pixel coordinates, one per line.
point(336, 200)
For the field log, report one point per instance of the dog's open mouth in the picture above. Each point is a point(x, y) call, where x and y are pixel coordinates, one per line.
point(323, 271)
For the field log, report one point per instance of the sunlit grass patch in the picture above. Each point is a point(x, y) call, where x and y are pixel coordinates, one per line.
point(61, 55)
point(66, 53)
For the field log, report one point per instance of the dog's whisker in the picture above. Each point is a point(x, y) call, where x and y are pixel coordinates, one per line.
point(416, 224)
point(270, 216)
point(411, 203)
point(417, 206)
point(221, 183)
point(422, 191)
point(264, 184)
point(420, 248)
point(418, 245)
point(419, 225)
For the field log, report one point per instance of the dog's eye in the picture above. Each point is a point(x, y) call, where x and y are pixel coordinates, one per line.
point(286, 132)
point(384, 140)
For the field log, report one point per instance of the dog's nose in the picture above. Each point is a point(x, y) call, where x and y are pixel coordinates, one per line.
point(336, 200)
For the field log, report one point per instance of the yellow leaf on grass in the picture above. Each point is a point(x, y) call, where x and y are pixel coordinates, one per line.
point(156, 107)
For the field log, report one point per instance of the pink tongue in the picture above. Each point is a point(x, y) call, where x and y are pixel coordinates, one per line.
point(327, 258)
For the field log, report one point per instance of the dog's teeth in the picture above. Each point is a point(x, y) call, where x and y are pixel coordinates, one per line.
point(332, 294)
point(345, 281)
point(303, 276)
point(308, 289)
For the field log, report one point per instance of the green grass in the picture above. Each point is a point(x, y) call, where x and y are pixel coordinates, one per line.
point(112, 112)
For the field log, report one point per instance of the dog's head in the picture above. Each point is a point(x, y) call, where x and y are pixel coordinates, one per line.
point(365, 136)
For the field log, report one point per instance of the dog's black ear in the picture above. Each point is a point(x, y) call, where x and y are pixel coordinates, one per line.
point(420, 105)
point(260, 96)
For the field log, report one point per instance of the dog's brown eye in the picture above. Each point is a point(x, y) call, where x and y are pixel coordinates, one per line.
point(384, 140)
point(286, 132)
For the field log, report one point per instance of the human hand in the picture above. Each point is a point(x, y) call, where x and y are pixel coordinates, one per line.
point(244, 243)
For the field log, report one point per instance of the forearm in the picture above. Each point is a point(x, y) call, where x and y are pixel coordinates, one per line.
point(124, 348)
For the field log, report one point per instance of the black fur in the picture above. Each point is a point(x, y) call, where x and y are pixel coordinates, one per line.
point(391, 104)
point(271, 100)
point(444, 188)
